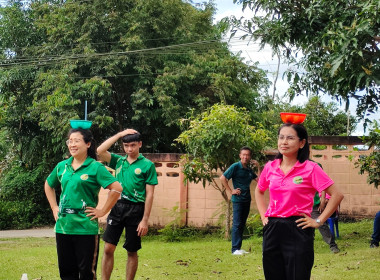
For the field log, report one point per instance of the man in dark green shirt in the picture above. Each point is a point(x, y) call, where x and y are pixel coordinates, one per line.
point(242, 175)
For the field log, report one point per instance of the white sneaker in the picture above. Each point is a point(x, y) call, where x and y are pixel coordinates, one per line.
point(237, 253)
point(244, 252)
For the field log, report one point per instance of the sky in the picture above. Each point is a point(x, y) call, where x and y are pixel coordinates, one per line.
point(251, 52)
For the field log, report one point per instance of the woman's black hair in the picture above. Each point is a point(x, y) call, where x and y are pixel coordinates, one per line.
point(87, 137)
point(304, 153)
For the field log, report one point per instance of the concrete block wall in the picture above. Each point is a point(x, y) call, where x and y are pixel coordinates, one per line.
point(360, 198)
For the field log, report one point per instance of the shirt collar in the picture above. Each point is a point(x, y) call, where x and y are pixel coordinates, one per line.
point(241, 165)
point(138, 158)
point(85, 163)
point(277, 163)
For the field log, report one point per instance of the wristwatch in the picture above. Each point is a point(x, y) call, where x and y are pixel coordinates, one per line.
point(318, 221)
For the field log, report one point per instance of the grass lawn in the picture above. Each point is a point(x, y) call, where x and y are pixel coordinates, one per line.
point(200, 258)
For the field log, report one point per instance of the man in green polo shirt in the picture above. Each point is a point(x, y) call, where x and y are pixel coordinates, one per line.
point(138, 176)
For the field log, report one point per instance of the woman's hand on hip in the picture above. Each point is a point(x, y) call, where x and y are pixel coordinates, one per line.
point(94, 213)
point(307, 222)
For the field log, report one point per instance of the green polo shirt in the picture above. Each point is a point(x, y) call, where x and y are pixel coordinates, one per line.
point(80, 188)
point(134, 177)
point(241, 178)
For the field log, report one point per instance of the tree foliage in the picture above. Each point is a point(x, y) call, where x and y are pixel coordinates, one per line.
point(334, 43)
point(371, 164)
point(140, 64)
point(324, 119)
point(213, 140)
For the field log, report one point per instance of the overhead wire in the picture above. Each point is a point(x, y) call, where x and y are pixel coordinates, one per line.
point(177, 49)
point(235, 46)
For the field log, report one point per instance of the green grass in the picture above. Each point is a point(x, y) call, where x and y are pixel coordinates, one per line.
point(200, 258)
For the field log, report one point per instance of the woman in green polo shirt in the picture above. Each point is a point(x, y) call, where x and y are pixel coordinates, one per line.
point(80, 178)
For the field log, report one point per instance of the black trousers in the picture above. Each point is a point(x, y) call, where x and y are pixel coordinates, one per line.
point(77, 256)
point(288, 251)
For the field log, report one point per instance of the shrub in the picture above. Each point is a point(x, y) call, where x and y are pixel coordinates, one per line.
point(254, 225)
point(22, 199)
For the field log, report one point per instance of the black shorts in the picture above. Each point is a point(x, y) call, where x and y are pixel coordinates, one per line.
point(128, 215)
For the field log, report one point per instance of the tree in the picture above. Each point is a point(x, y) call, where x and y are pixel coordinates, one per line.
point(324, 119)
point(141, 64)
point(371, 164)
point(213, 140)
point(138, 63)
point(334, 43)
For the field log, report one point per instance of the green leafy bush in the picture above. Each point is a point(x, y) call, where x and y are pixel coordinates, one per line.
point(176, 232)
point(22, 199)
point(254, 225)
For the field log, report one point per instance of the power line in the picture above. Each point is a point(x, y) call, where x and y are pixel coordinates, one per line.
point(161, 50)
point(178, 49)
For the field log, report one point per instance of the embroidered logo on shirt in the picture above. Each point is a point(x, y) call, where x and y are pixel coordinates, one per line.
point(84, 177)
point(297, 180)
point(137, 171)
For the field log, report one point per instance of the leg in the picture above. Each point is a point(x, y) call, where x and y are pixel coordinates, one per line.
point(237, 225)
point(325, 231)
point(288, 251)
point(111, 237)
point(298, 251)
point(68, 269)
point(245, 213)
point(87, 252)
point(132, 240)
point(108, 260)
point(376, 231)
point(132, 264)
point(273, 263)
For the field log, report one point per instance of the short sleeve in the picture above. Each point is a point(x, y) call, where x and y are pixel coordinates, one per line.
point(52, 179)
point(263, 182)
point(104, 177)
point(114, 159)
point(151, 178)
point(320, 179)
point(229, 173)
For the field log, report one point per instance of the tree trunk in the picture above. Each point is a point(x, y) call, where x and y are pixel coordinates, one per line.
point(227, 233)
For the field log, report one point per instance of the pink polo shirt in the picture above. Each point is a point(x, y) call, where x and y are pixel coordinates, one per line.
point(292, 194)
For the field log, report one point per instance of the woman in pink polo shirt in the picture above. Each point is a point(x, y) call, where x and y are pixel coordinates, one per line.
point(292, 180)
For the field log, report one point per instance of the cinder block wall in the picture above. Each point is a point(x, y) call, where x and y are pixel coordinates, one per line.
point(360, 198)
point(198, 206)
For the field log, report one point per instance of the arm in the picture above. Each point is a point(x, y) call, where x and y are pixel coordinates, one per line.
point(334, 201)
point(323, 203)
point(256, 163)
point(51, 197)
point(230, 192)
point(113, 196)
point(261, 204)
point(102, 150)
point(142, 228)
